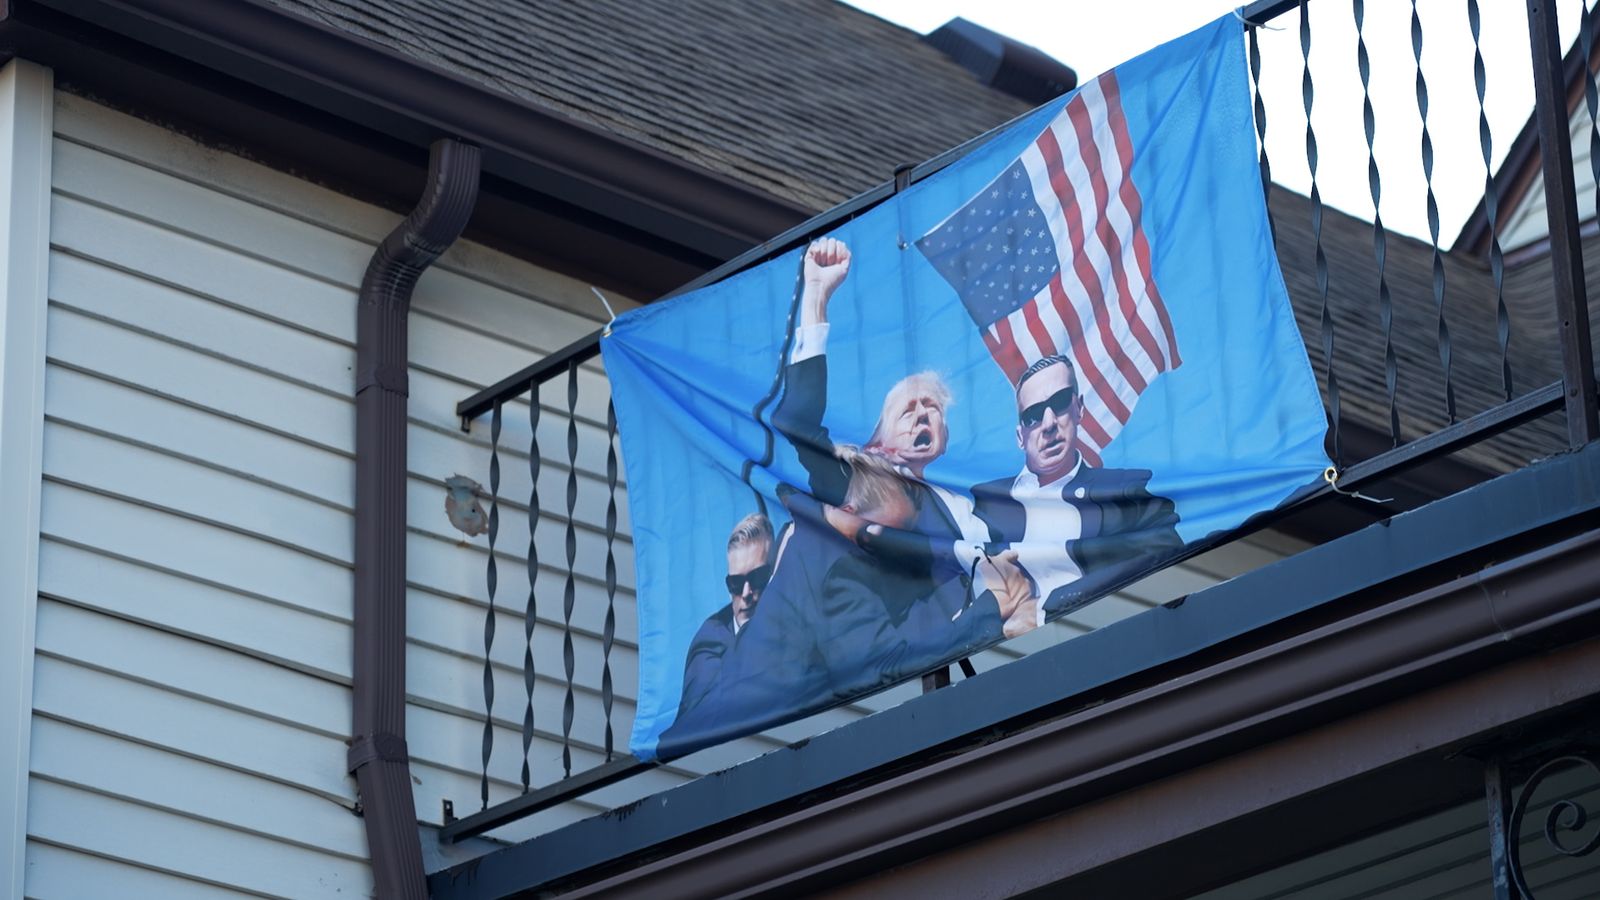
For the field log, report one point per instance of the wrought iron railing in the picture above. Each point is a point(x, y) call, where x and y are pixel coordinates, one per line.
point(1410, 286)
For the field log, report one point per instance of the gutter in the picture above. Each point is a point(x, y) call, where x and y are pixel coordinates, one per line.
point(378, 756)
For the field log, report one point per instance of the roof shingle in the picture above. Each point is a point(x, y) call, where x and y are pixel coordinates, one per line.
point(810, 100)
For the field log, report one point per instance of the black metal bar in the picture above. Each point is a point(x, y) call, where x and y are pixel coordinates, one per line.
point(569, 592)
point(492, 577)
point(1326, 314)
point(1591, 90)
point(1491, 201)
point(1451, 438)
point(543, 798)
point(1379, 235)
point(938, 678)
point(1566, 255)
point(609, 634)
point(530, 615)
point(1433, 219)
point(1498, 796)
point(1261, 133)
point(580, 351)
point(1263, 11)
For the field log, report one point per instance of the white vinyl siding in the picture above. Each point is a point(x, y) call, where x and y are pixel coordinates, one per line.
point(191, 700)
point(1529, 220)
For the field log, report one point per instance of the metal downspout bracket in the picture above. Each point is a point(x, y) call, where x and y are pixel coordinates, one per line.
point(378, 756)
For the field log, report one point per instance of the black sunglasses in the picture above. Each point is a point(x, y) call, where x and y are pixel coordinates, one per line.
point(757, 578)
point(1059, 403)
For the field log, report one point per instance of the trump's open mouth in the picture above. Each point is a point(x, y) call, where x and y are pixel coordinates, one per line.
point(923, 439)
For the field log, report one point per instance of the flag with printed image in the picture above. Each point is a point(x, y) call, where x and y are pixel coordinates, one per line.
point(1003, 392)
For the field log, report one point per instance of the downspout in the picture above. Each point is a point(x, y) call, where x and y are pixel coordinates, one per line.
point(378, 756)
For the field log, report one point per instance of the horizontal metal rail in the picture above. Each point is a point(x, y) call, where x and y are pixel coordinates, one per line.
point(515, 385)
point(1263, 11)
point(1451, 438)
point(543, 798)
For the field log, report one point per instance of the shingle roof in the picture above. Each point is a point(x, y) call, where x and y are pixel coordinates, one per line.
point(810, 100)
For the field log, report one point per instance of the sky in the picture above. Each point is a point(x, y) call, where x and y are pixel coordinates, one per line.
point(1094, 35)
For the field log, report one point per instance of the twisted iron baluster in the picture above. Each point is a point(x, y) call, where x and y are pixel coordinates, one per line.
point(1261, 132)
point(531, 615)
point(608, 636)
point(1433, 216)
point(1316, 235)
point(1592, 96)
point(1379, 242)
point(492, 576)
point(569, 594)
point(1491, 197)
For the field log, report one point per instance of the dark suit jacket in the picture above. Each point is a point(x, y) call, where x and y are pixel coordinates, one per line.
point(1126, 529)
point(824, 633)
point(704, 660)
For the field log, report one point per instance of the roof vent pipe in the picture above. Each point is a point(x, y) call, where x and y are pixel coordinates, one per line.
point(378, 755)
point(1003, 63)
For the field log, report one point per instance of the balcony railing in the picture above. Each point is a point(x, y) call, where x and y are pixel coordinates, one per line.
point(1422, 351)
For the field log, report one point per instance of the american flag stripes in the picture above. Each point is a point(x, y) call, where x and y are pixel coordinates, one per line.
point(1051, 257)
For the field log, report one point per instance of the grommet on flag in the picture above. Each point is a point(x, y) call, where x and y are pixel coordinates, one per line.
point(1331, 476)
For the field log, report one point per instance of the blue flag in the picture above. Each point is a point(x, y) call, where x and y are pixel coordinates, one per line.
point(997, 396)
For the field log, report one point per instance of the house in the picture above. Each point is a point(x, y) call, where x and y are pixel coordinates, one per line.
point(194, 197)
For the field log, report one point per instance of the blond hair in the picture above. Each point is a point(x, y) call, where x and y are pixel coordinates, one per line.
point(874, 480)
point(752, 529)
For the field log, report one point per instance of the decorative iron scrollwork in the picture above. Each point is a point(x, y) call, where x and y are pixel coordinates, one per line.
point(1565, 818)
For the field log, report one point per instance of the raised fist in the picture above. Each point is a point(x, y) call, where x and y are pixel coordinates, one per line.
point(827, 263)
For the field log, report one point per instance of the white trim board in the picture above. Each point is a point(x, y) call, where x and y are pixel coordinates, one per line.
point(26, 109)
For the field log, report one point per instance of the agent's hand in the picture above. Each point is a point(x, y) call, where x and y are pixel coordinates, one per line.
point(1024, 619)
point(827, 264)
point(1010, 583)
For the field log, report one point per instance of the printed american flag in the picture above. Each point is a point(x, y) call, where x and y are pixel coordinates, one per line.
point(1051, 258)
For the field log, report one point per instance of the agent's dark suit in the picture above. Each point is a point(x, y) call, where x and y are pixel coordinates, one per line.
point(704, 660)
point(824, 633)
point(1125, 528)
